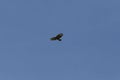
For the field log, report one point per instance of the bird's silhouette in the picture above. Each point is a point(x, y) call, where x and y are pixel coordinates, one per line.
point(57, 37)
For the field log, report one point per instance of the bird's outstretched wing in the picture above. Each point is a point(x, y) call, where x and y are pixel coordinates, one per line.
point(53, 38)
point(59, 35)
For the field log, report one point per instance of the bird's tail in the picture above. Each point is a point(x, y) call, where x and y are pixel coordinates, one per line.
point(59, 39)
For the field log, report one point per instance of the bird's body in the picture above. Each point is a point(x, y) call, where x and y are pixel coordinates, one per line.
point(57, 37)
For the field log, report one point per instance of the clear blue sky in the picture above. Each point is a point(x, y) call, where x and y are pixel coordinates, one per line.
point(90, 49)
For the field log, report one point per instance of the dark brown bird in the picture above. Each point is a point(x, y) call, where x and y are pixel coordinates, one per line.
point(57, 37)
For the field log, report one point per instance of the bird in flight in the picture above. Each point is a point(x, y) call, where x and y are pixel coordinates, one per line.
point(57, 37)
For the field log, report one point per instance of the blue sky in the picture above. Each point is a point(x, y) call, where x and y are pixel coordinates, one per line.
point(90, 49)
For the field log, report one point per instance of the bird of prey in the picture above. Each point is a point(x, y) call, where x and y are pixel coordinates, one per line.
point(57, 37)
